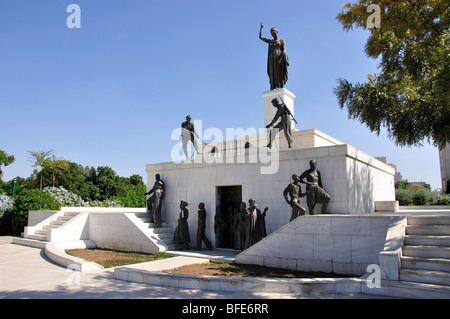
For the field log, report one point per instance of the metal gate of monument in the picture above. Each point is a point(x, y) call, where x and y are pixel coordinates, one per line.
point(228, 200)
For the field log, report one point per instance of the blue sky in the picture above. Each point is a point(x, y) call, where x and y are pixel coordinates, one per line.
point(112, 92)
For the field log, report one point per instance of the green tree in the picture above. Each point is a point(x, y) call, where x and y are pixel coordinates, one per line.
point(410, 95)
point(133, 192)
point(74, 181)
point(5, 160)
point(40, 159)
point(55, 166)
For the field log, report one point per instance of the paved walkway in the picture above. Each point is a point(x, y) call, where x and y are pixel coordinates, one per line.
point(25, 272)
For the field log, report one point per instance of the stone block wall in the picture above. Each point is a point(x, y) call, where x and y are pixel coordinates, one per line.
point(343, 244)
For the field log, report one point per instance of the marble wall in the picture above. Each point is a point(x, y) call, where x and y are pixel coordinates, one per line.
point(354, 180)
point(343, 244)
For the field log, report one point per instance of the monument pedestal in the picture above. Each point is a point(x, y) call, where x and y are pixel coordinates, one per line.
point(269, 110)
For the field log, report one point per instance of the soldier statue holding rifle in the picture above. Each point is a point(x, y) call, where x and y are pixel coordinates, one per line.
point(285, 115)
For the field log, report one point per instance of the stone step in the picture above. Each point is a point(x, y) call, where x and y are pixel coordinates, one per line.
point(426, 251)
point(417, 290)
point(162, 230)
point(429, 220)
point(145, 220)
point(50, 226)
point(64, 218)
point(72, 214)
point(171, 246)
point(438, 264)
point(416, 240)
point(169, 242)
point(42, 232)
point(428, 230)
point(425, 276)
point(153, 225)
point(57, 222)
point(38, 237)
point(142, 215)
point(165, 236)
point(29, 242)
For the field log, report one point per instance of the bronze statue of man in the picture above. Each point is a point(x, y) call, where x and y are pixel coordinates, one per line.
point(284, 114)
point(154, 202)
point(314, 189)
point(188, 133)
point(277, 60)
point(201, 235)
point(295, 192)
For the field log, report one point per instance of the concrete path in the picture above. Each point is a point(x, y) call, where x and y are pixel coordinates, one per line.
point(25, 272)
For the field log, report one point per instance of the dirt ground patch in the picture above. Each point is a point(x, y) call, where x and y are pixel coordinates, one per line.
point(109, 258)
point(241, 270)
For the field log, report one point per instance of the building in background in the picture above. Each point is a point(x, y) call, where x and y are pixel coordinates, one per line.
point(397, 176)
point(444, 160)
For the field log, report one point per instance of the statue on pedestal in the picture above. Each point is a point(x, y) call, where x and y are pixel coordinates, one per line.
point(154, 202)
point(295, 192)
point(277, 60)
point(314, 191)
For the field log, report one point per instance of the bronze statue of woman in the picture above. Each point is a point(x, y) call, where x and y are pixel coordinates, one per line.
point(277, 60)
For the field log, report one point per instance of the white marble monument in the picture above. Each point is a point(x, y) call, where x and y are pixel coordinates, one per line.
point(243, 168)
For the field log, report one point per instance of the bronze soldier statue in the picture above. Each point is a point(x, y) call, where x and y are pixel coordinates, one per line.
point(284, 124)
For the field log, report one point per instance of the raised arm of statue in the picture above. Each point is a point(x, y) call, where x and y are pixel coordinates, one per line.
point(260, 35)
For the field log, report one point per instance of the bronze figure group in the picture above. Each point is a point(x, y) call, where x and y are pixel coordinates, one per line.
point(240, 228)
point(315, 194)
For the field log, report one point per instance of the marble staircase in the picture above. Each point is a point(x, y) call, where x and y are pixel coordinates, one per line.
point(164, 233)
point(425, 262)
point(40, 236)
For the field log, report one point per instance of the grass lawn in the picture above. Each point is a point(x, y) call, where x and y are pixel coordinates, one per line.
point(110, 258)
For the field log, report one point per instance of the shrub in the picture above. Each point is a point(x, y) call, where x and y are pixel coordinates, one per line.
point(404, 196)
point(65, 198)
point(5, 223)
point(443, 199)
point(134, 197)
point(30, 199)
point(421, 197)
point(6, 203)
point(104, 203)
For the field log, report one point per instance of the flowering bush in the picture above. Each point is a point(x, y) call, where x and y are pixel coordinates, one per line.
point(68, 199)
point(6, 203)
point(105, 203)
point(65, 198)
